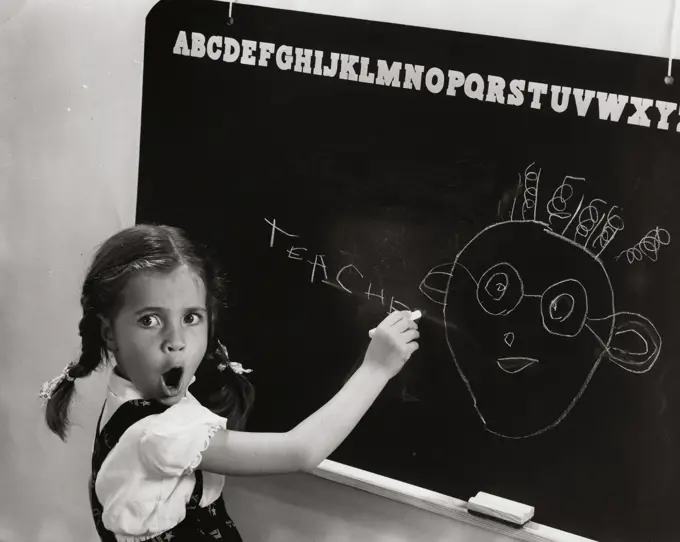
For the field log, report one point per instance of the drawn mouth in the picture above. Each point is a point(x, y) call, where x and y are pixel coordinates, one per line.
point(172, 380)
point(516, 364)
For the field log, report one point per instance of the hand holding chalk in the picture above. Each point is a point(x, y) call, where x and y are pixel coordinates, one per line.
point(393, 342)
point(414, 316)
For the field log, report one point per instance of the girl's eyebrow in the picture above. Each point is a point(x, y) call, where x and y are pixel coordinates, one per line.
point(150, 309)
point(164, 309)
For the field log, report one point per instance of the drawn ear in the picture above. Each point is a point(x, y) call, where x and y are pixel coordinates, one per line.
point(435, 283)
point(635, 344)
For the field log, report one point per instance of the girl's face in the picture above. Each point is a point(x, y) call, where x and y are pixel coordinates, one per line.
point(160, 332)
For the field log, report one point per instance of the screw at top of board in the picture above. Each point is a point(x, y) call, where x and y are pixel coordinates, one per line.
point(230, 20)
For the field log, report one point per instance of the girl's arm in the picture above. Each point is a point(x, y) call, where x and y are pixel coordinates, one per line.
point(314, 439)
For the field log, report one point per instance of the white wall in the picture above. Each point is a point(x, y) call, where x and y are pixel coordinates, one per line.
point(69, 129)
point(70, 96)
point(631, 26)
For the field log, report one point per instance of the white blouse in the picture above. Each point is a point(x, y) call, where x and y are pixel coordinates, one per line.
point(146, 481)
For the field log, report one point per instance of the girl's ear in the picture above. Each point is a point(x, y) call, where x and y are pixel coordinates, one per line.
point(635, 344)
point(107, 333)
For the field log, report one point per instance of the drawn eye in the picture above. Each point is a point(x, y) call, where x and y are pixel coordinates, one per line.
point(497, 285)
point(564, 307)
point(561, 307)
point(500, 289)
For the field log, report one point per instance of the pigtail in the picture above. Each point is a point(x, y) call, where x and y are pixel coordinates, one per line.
point(93, 350)
point(222, 390)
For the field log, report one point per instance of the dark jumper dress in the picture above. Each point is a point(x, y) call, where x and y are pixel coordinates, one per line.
point(200, 524)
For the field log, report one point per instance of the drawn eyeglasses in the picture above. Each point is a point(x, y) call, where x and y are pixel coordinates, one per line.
point(564, 305)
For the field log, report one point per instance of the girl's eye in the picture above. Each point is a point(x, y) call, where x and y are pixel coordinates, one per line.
point(149, 320)
point(192, 318)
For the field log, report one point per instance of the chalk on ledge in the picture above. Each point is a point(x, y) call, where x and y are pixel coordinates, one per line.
point(505, 510)
point(414, 316)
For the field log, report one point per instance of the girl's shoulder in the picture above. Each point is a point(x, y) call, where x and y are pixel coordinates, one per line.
point(167, 441)
point(172, 442)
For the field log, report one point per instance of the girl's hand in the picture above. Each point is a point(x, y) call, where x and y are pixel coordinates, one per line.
point(392, 343)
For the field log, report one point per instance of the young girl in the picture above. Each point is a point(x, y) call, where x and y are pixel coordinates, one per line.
point(150, 304)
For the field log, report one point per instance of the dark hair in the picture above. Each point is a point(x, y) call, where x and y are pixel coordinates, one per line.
point(147, 247)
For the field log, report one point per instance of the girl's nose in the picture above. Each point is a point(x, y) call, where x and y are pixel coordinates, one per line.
point(176, 346)
point(174, 341)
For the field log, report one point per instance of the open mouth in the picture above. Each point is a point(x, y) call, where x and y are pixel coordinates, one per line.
point(172, 380)
point(516, 364)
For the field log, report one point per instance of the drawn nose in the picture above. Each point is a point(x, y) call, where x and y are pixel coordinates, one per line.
point(509, 338)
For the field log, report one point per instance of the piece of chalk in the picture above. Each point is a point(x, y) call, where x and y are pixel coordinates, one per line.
point(500, 508)
point(414, 316)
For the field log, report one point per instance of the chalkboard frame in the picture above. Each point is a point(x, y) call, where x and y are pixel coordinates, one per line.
point(437, 503)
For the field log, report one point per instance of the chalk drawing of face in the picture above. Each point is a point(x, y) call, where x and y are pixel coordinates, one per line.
point(530, 311)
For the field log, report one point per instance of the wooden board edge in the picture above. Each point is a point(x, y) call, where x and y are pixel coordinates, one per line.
point(436, 503)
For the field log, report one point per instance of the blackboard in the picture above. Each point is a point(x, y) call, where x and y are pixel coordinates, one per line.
point(535, 234)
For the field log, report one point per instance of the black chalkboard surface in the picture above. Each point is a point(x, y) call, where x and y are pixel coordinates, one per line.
point(521, 194)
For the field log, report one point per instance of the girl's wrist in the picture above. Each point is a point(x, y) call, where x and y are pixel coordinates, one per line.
point(375, 371)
